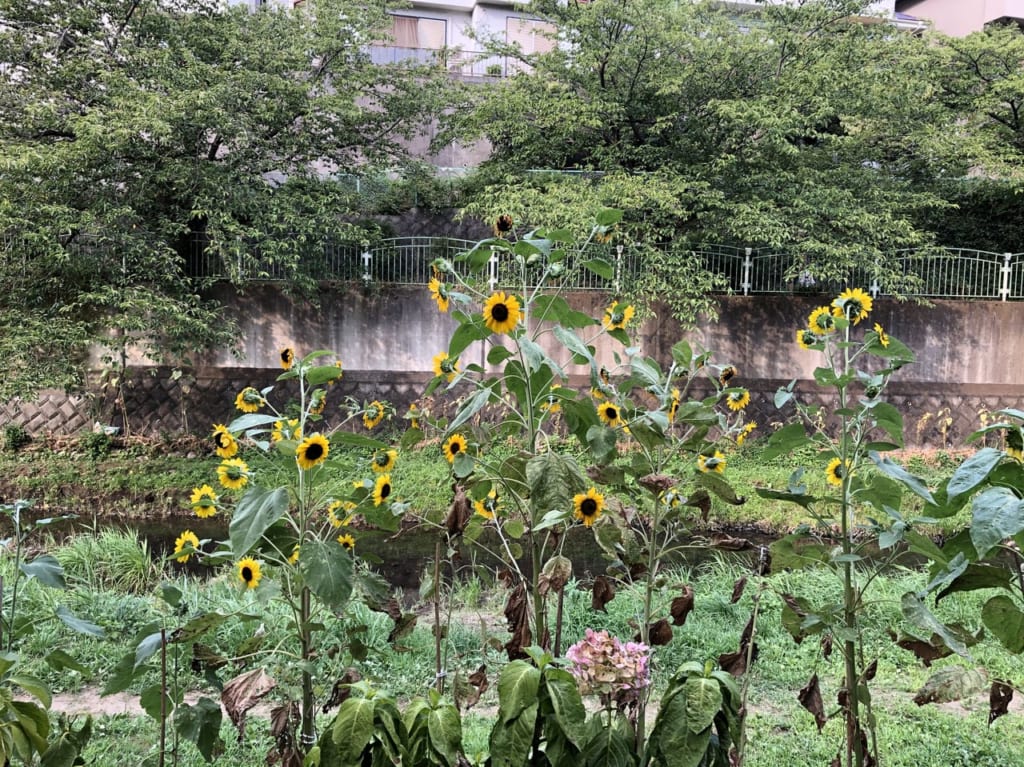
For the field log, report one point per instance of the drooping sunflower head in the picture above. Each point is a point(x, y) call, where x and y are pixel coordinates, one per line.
point(822, 321)
point(414, 416)
point(224, 442)
point(384, 461)
point(587, 507)
point(747, 429)
point(617, 316)
point(610, 414)
point(501, 312)
point(728, 373)
point(446, 366)
point(347, 540)
point(1014, 444)
point(551, 404)
point(185, 545)
point(836, 470)
point(488, 507)
point(381, 489)
point(293, 558)
point(454, 445)
point(287, 357)
point(249, 572)
point(339, 513)
point(854, 303)
point(204, 501)
point(439, 292)
point(317, 400)
point(312, 451)
point(806, 338)
point(714, 462)
point(503, 225)
point(737, 400)
point(673, 405)
point(373, 414)
point(233, 473)
point(883, 337)
point(249, 400)
point(289, 429)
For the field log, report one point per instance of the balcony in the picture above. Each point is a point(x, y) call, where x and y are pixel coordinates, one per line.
point(1004, 10)
point(463, 64)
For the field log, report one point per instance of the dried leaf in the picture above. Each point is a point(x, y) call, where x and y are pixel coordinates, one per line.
point(243, 692)
point(738, 589)
point(810, 698)
point(826, 646)
point(951, 683)
point(999, 698)
point(682, 606)
point(729, 543)
point(404, 625)
point(477, 686)
point(341, 691)
point(516, 614)
point(927, 652)
point(557, 572)
point(870, 671)
point(736, 663)
point(659, 633)
point(603, 592)
point(459, 513)
point(657, 483)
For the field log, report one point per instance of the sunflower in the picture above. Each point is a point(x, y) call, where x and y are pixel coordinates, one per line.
point(446, 366)
point(501, 312)
point(673, 405)
point(617, 316)
point(742, 436)
point(414, 416)
point(714, 462)
point(294, 556)
point(249, 572)
point(453, 446)
point(233, 473)
point(822, 321)
point(587, 506)
point(384, 461)
point(854, 303)
point(224, 441)
point(439, 292)
point(347, 541)
point(737, 400)
point(503, 225)
point(332, 513)
point(883, 337)
point(317, 402)
point(249, 400)
point(381, 489)
point(610, 413)
point(338, 377)
point(551, 404)
point(727, 374)
point(836, 471)
point(287, 358)
point(186, 539)
point(373, 414)
point(488, 506)
point(286, 430)
point(806, 338)
point(204, 501)
point(312, 451)
point(1014, 444)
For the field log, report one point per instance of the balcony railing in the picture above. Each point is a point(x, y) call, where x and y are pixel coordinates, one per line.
point(468, 64)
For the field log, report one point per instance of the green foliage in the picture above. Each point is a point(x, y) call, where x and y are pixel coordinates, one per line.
point(15, 437)
point(111, 558)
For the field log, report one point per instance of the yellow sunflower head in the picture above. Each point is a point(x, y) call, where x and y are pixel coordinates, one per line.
point(737, 400)
point(345, 508)
point(854, 303)
point(610, 414)
point(446, 366)
point(347, 540)
point(501, 312)
point(806, 338)
point(287, 357)
point(294, 556)
point(488, 507)
point(204, 501)
point(551, 404)
point(249, 572)
point(822, 321)
point(714, 462)
point(414, 416)
point(503, 225)
point(836, 470)
point(381, 489)
point(673, 404)
point(249, 400)
point(233, 473)
point(454, 445)
point(747, 429)
point(883, 337)
point(224, 442)
point(617, 316)
point(439, 292)
point(728, 373)
point(587, 507)
point(373, 414)
point(384, 461)
point(317, 401)
point(186, 544)
point(312, 451)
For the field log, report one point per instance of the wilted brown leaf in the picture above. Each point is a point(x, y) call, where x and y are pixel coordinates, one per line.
point(826, 646)
point(951, 683)
point(459, 512)
point(340, 692)
point(999, 698)
point(926, 651)
point(284, 720)
point(810, 698)
point(657, 483)
point(404, 624)
point(729, 543)
point(602, 593)
point(738, 589)
point(682, 606)
point(869, 672)
point(518, 623)
point(735, 663)
point(243, 692)
point(556, 573)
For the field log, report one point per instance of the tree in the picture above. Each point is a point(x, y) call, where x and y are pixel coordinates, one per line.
point(130, 130)
point(803, 128)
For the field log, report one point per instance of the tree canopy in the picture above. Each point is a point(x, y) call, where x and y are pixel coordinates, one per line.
point(131, 128)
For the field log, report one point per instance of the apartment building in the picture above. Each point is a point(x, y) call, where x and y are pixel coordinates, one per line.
point(961, 17)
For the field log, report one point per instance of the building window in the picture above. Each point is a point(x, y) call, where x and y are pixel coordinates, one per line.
point(418, 32)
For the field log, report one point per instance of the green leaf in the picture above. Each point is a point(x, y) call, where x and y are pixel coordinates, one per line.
point(600, 267)
point(327, 569)
point(564, 695)
point(1003, 618)
point(915, 484)
point(608, 216)
point(796, 552)
point(582, 355)
point(170, 594)
point(607, 746)
point(145, 649)
point(321, 374)
point(996, 514)
point(47, 570)
point(198, 626)
point(889, 419)
point(978, 576)
point(465, 334)
point(973, 471)
point(356, 439)
point(60, 660)
point(256, 511)
point(200, 723)
point(445, 728)
point(517, 690)
point(473, 405)
point(784, 440)
point(498, 354)
point(353, 729)
point(251, 421)
point(552, 479)
point(75, 623)
point(153, 699)
point(779, 495)
point(33, 686)
point(602, 443)
point(915, 611)
point(512, 739)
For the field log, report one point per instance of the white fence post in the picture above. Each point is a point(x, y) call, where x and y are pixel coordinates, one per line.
point(367, 258)
point(617, 284)
point(492, 270)
point(1004, 280)
point(747, 266)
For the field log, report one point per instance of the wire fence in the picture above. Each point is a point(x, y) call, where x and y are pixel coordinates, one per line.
point(961, 273)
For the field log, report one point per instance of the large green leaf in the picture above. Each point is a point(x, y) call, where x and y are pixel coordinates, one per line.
point(973, 471)
point(997, 514)
point(889, 419)
point(473, 405)
point(915, 484)
point(789, 437)
point(553, 478)
point(673, 743)
point(512, 739)
point(517, 689)
point(564, 694)
point(75, 623)
point(465, 334)
point(200, 723)
point(703, 700)
point(608, 746)
point(47, 570)
point(256, 511)
point(915, 611)
point(445, 728)
point(1003, 618)
point(327, 569)
point(352, 729)
point(572, 342)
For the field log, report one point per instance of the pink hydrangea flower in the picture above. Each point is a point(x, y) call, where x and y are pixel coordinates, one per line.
point(615, 671)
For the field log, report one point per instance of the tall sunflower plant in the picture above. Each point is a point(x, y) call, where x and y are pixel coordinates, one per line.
point(634, 421)
point(299, 491)
point(855, 500)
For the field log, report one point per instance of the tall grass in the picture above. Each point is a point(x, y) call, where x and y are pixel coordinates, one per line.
point(118, 559)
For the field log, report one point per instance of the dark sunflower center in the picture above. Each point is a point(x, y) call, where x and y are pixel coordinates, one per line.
point(839, 472)
point(385, 490)
point(612, 413)
point(455, 448)
point(286, 356)
point(221, 439)
point(588, 507)
point(314, 451)
point(247, 574)
point(499, 312)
